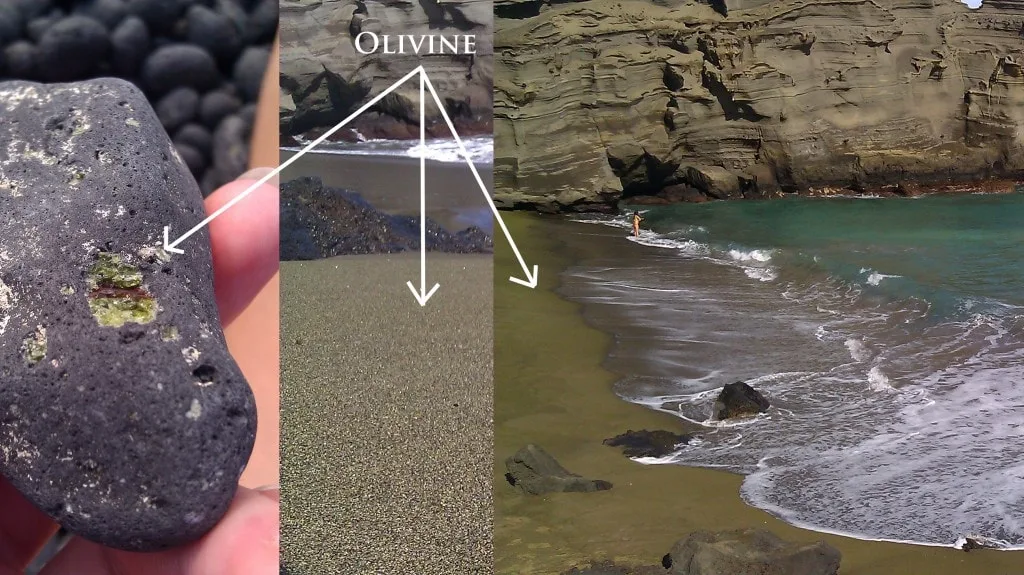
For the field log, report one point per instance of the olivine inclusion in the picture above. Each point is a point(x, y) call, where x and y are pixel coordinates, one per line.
point(116, 295)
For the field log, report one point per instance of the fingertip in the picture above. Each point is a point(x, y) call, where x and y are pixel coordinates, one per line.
point(245, 242)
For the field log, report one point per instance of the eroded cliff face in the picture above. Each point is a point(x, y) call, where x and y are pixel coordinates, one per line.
point(604, 99)
point(324, 78)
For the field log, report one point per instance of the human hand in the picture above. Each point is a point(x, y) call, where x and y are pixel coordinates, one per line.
point(244, 241)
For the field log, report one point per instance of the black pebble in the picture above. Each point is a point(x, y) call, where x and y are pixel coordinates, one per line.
point(30, 9)
point(159, 15)
point(193, 158)
point(141, 445)
point(195, 136)
point(71, 48)
point(10, 24)
point(262, 22)
point(131, 43)
point(235, 12)
point(213, 31)
point(179, 65)
point(108, 12)
point(177, 108)
point(21, 59)
point(249, 70)
point(231, 147)
point(215, 106)
point(38, 26)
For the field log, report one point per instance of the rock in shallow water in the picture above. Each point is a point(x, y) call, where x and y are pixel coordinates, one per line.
point(122, 414)
point(739, 400)
point(534, 471)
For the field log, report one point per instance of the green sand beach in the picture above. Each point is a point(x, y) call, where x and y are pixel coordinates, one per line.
point(386, 416)
point(550, 389)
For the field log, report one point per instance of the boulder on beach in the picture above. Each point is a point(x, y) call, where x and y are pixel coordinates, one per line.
point(533, 470)
point(749, 552)
point(739, 400)
point(643, 443)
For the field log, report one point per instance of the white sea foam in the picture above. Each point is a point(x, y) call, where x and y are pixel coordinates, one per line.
point(877, 380)
point(761, 274)
point(875, 278)
point(750, 255)
point(480, 149)
point(857, 350)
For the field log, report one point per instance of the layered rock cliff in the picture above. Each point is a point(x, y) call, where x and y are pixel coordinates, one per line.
point(604, 99)
point(324, 78)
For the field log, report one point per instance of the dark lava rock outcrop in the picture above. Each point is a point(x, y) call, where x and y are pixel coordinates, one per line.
point(601, 100)
point(643, 443)
point(534, 471)
point(218, 48)
point(123, 415)
point(749, 552)
point(739, 400)
point(319, 222)
point(324, 78)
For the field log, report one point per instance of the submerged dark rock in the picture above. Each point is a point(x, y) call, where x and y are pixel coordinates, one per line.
point(749, 552)
point(739, 400)
point(643, 443)
point(319, 222)
point(123, 415)
point(532, 470)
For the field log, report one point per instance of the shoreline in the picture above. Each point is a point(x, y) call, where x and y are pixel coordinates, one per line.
point(391, 184)
point(565, 402)
point(673, 195)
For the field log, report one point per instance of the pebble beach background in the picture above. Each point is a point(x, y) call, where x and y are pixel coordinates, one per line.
point(200, 63)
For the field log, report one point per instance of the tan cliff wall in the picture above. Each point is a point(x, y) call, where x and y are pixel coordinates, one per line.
point(601, 99)
point(324, 78)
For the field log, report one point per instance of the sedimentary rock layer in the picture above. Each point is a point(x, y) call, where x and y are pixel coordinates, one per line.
point(600, 100)
point(324, 78)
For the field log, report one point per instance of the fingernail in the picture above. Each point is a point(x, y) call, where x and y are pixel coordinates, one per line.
point(272, 492)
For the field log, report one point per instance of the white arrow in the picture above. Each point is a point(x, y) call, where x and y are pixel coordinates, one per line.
point(423, 295)
point(531, 278)
point(172, 247)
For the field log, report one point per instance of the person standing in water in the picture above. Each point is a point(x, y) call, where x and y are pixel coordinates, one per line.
point(636, 224)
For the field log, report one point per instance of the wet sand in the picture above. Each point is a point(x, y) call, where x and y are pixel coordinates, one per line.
point(550, 389)
point(392, 184)
point(386, 435)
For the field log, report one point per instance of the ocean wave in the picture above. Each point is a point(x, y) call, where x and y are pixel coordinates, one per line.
point(751, 255)
point(444, 150)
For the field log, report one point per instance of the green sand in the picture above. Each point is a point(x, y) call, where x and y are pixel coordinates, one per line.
point(551, 390)
point(386, 416)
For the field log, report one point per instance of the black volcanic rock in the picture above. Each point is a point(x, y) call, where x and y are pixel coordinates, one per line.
point(177, 65)
point(71, 48)
point(643, 443)
point(123, 415)
point(320, 222)
point(739, 400)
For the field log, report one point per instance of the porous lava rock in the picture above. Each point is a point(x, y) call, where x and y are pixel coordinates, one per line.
point(123, 415)
point(319, 222)
point(534, 471)
point(739, 400)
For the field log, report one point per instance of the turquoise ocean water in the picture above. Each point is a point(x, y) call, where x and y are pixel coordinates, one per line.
point(888, 334)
